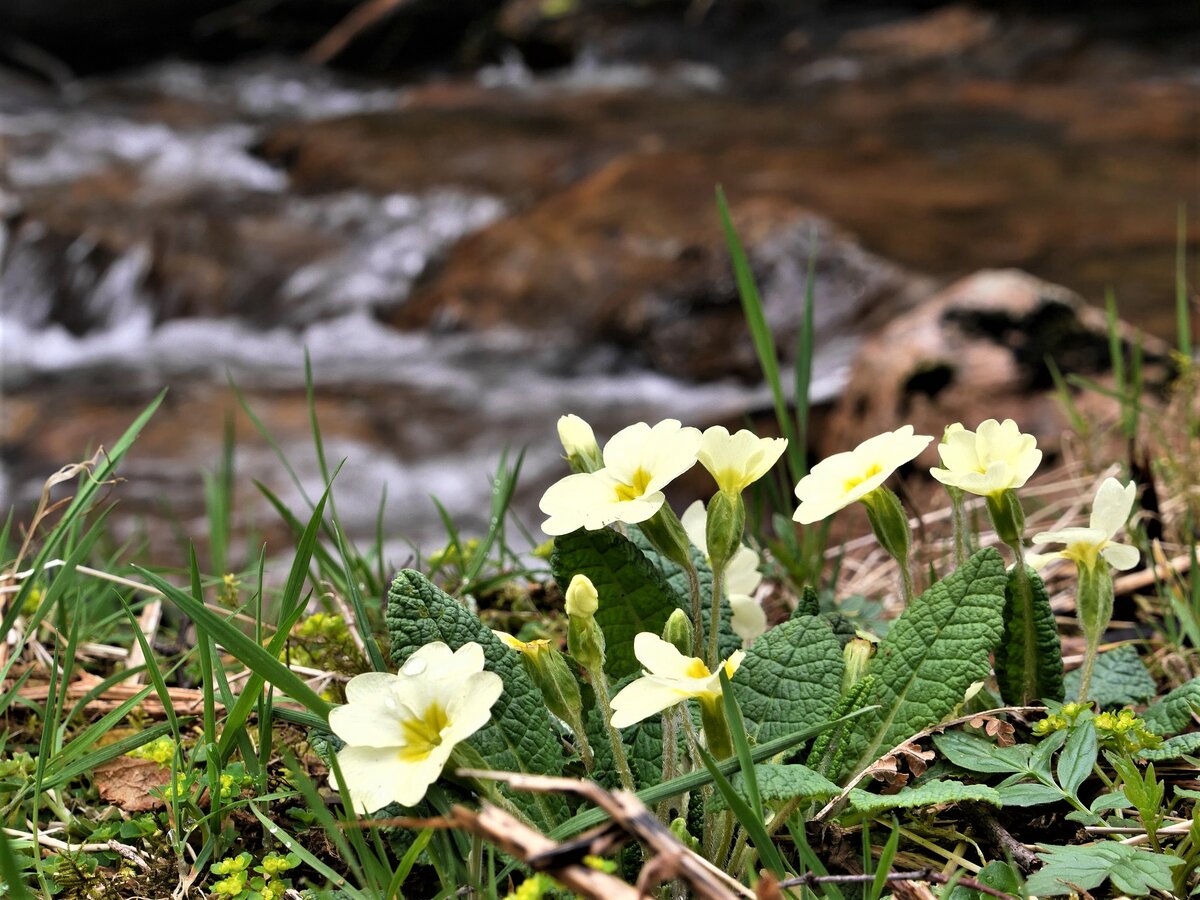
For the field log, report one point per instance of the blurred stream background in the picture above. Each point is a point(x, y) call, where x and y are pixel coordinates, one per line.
point(478, 215)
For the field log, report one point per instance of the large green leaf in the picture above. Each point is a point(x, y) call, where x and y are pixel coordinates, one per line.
point(634, 594)
point(677, 578)
point(930, 793)
point(1120, 677)
point(1029, 656)
point(520, 737)
point(781, 783)
point(791, 677)
point(1174, 748)
point(936, 650)
point(1174, 712)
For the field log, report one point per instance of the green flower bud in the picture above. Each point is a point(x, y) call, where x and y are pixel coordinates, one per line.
point(678, 631)
point(1008, 517)
point(726, 522)
point(1094, 600)
point(679, 828)
point(857, 655)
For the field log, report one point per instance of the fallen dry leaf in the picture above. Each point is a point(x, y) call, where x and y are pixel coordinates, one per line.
point(127, 782)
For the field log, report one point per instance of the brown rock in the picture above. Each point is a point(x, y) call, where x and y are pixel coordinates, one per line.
point(974, 351)
point(634, 255)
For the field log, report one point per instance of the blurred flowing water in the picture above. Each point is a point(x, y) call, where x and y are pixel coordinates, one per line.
point(151, 237)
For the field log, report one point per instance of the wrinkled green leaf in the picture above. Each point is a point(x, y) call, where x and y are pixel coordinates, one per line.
point(937, 649)
point(634, 594)
point(519, 736)
point(781, 783)
point(727, 641)
point(790, 678)
point(1119, 678)
point(930, 793)
point(1173, 713)
point(1174, 748)
point(1132, 870)
point(1029, 656)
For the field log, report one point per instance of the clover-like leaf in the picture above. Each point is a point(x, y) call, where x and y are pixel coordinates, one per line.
point(937, 649)
point(519, 736)
point(790, 678)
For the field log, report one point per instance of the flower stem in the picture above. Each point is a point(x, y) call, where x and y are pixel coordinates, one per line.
point(693, 578)
point(714, 619)
point(600, 683)
point(583, 745)
point(670, 736)
point(962, 533)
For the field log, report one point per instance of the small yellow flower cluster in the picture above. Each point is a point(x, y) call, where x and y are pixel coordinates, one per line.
point(160, 750)
point(235, 869)
point(1125, 731)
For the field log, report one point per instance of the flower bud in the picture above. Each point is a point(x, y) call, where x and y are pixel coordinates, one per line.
point(678, 631)
point(857, 655)
point(723, 530)
point(582, 598)
point(579, 443)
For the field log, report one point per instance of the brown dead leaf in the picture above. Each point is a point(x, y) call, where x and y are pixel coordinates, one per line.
point(997, 728)
point(127, 782)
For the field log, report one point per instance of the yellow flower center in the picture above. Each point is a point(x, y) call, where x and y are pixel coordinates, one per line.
point(636, 488)
point(851, 483)
point(697, 669)
point(1087, 554)
point(423, 733)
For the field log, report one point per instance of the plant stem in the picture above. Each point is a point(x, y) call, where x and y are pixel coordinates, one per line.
point(962, 534)
point(670, 736)
point(583, 745)
point(714, 621)
point(693, 578)
point(600, 683)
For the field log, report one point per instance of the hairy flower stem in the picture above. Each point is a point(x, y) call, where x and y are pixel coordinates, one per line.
point(962, 532)
point(600, 683)
point(583, 745)
point(1093, 606)
point(693, 578)
point(714, 619)
point(670, 736)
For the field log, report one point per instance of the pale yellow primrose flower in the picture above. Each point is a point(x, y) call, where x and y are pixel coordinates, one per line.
point(995, 458)
point(742, 577)
point(401, 729)
point(639, 461)
point(530, 648)
point(736, 461)
point(836, 482)
point(1086, 546)
point(670, 678)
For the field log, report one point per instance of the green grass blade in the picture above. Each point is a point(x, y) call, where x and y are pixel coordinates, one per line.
point(10, 871)
point(741, 744)
point(749, 820)
point(760, 333)
point(264, 665)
